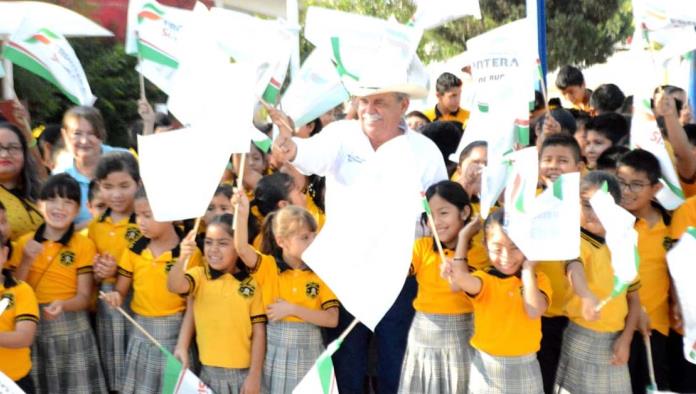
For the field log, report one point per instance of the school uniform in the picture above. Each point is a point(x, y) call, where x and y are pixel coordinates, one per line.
point(225, 307)
point(318, 215)
point(159, 311)
point(585, 364)
point(505, 339)
point(460, 116)
point(64, 355)
point(477, 255)
point(292, 345)
point(16, 363)
point(437, 352)
point(653, 244)
point(112, 328)
point(681, 372)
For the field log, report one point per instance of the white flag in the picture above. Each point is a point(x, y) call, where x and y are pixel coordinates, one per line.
point(316, 89)
point(680, 261)
point(321, 378)
point(8, 386)
point(434, 13)
point(50, 56)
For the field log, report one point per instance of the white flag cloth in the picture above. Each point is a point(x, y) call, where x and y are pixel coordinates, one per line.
point(50, 56)
point(316, 89)
point(522, 180)
point(379, 227)
point(680, 261)
point(660, 14)
point(8, 386)
point(549, 228)
point(321, 378)
point(433, 13)
point(621, 238)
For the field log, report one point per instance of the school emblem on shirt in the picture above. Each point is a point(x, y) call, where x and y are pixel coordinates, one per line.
point(667, 243)
point(168, 266)
point(132, 234)
point(67, 258)
point(10, 297)
point(246, 290)
point(312, 289)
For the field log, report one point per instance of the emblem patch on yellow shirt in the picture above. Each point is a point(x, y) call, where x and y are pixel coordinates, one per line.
point(246, 290)
point(168, 265)
point(10, 297)
point(312, 289)
point(667, 243)
point(67, 258)
point(132, 234)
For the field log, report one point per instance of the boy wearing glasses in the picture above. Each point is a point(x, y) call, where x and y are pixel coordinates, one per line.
point(639, 173)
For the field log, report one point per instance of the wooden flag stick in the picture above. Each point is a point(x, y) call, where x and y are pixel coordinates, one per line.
point(282, 121)
point(240, 186)
point(347, 331)
point(431, 223)
point(135, 323)
point(651, 367)
point(196, 225)
point(141, 78)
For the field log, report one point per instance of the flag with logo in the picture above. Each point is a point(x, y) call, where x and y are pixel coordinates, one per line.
point(261, 140)
point(49, 55)
point(621, 238)
point(434, 13)
point(316, 89)
point(179, 380)
point(321, 378)
point(680, 260)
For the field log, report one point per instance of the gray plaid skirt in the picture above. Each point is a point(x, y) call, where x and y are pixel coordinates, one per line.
point(145, 361)
point(291, 350)
point(438, 354)
point(585, 364)
point(65, 357)
point(224, 380)
point(492, 374)
point(112, 338)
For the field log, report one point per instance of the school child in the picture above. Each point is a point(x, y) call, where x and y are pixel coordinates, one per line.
point(18, 321)
point(681, 372)
point(57, 264)
point(113, 232)
point(571, 83)
point(596, 345)
point(145, 266)
point(96, 205)
point(638, 173)
point(472, 159)
point(603, 132)
point(437, 352)
point(313, 188)
point(273, 192)
point(559, 154)
point(581, 119)
point(297, 301)
point(227, 310)
point(219, 205)
point(509, 299)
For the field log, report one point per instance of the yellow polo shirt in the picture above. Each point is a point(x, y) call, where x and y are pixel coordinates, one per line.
point(151, 298)
point(53, 274)
point(434, 293)
point(16, 363)
point(225, 306)
point(22, 215)
point(460, 116)
point(113, 238)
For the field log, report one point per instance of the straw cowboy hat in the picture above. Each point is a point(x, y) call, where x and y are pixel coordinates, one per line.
point(390, 77)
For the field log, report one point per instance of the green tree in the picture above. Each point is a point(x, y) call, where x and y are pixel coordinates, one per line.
point(580, 32)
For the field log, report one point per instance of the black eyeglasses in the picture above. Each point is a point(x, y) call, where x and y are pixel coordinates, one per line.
point(12, 149)
point(633, 187)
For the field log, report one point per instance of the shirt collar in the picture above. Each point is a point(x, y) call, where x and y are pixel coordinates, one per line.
point(283, 266)
point(107, 214)
point(493, 271)
point(439, 114)
point(39, 234)
point(240, 275)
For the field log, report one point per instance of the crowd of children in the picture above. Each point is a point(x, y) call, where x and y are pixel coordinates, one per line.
point(233, 300)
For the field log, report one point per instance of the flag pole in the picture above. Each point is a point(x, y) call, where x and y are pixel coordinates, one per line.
point(348, 329)
point(135, 323)
point(141, 78)
point(651, 367)
point(240, 186)
point(431, 222)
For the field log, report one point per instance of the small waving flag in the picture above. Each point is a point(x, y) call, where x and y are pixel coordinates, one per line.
point(680, 261)
point(320, 379)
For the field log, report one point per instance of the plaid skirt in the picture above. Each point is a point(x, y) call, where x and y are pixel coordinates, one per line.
point(585, 364)
point(438, 354)
point(65, 357)
point(492, 374)
point(291, 350)
point(145, 361)
point(224, 380)
point(112, 338)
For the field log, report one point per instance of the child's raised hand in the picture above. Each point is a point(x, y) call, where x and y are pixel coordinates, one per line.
point(188, 245)
point(241, 202)
point(470, 229)
point(665, 105)
point(113, 298)
point(53, 310)
point(280, 310)
point(32, 249)
point(589, 308)
point(621, 350)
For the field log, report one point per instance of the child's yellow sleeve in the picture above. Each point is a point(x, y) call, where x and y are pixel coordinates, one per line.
point(326, 296)
point(85, 257)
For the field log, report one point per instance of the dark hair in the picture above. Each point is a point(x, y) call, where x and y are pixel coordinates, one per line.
point(418, 114)
point(563, 140)
point(282, 222)
point(562, 116)
point(611, 125)
point(538, 101)
point(581, 117)
point(117, 162)
point(316, 188)
point(470, 148)
point(225, 190)
point(270, 190)
point(569, 76)
point(92, 190)
point(28, 184)
point(627, 106)
point(495, 218)
point(607, 98)
point(446, 136)
point(447, 81)
point(91, 115)
point(595, 179)
point(690, 130)
point(607, 160)
point(50, 134)
point(140, 193)
point(60, 185)
point(317, 126)
point(642, 161)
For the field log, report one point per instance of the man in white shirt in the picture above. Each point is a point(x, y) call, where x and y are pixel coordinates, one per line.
point(346, 152)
